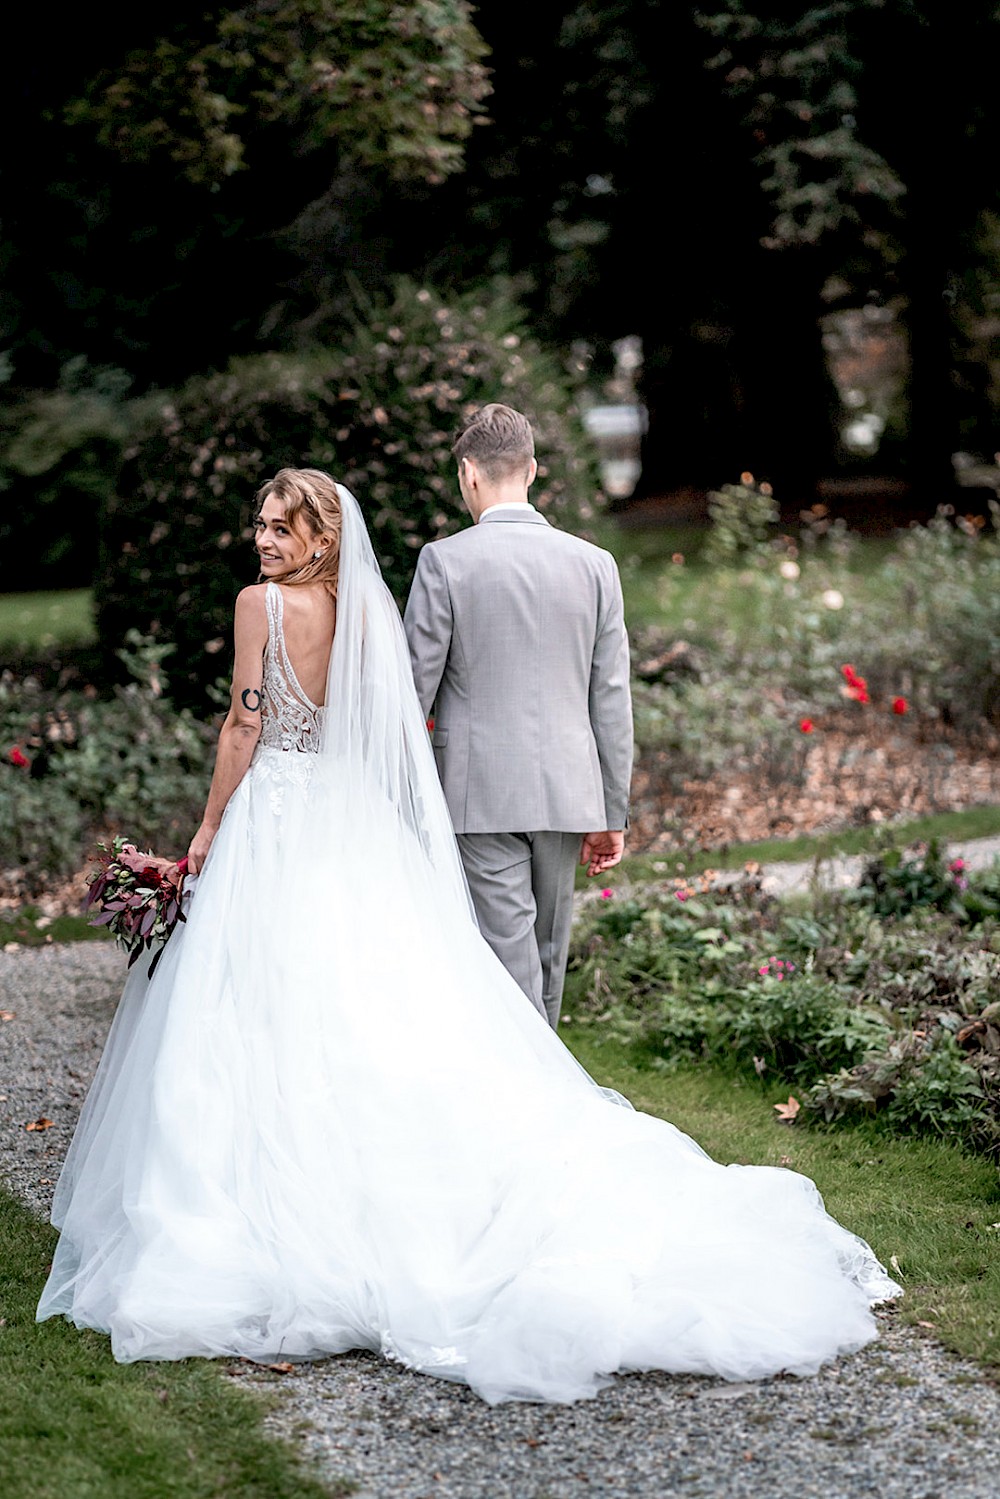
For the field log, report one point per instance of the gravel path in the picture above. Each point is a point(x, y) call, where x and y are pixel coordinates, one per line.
point(902, 1420)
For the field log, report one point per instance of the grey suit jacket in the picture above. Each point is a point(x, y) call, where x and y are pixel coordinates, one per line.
point(517, 637)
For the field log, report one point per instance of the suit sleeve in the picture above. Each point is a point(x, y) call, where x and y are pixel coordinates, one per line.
point(428, 622)
point(611, 700)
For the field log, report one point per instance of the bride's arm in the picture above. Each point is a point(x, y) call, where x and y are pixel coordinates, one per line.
point(241, 730)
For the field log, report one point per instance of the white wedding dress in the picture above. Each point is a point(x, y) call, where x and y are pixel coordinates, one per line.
point(331, 1120)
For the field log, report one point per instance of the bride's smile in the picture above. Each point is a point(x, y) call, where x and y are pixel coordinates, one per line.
point(280, 548)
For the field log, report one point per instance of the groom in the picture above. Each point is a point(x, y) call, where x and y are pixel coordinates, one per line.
point(518, 643)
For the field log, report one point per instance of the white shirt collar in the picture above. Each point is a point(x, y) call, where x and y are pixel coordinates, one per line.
point(506, 505)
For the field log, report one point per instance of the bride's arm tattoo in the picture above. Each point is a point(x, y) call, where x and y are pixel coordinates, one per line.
point(246, 695)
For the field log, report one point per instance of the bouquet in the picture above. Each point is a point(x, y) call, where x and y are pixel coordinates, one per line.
point(138, 897)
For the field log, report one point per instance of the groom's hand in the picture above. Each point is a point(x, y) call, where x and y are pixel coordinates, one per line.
point(601, 851)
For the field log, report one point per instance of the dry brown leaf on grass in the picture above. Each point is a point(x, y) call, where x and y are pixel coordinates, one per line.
point(41, 1123)
point(787, 1112)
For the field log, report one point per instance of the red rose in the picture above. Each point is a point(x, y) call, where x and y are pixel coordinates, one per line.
point(806, 725)
point(899, 705)
point(19, 758)
point(857, 687)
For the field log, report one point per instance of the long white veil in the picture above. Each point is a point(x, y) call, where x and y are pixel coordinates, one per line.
point(375, 740)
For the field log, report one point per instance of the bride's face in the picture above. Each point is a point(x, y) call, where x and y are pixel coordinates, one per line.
point(281, 550)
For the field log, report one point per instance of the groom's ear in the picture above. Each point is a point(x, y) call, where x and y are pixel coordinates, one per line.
point(532, 472)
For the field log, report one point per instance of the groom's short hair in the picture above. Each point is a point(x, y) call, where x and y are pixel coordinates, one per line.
point(499, 440)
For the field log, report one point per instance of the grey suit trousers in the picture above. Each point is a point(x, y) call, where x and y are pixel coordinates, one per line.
point(522, 889)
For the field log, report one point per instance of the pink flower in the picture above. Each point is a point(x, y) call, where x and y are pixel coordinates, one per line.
point(806, 725)
point(682, 894)
point(899, 705)
point(764, 970)
point(956, 866)
point(607, 894)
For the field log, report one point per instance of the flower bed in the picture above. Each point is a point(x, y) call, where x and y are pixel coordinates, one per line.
point(884, 1000)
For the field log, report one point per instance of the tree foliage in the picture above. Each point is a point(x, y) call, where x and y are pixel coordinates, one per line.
point(874, 126)
point(716, 178)
point(197, 178)
point(799, 75)
point(397, 86)
point(379, 412)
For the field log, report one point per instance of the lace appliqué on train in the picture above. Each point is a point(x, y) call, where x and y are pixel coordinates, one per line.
point(289, 720)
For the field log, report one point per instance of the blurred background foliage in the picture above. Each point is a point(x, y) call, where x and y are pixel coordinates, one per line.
point(800, 238)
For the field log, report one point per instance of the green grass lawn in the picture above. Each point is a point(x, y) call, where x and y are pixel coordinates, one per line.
point(31, 622)
point(930, 1204)
point(76, 1425)
point(29, 928)
point(688, 597)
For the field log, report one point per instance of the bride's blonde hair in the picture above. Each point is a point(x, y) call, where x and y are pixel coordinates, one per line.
point(312, 508)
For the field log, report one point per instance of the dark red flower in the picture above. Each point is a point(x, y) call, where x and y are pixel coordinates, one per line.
point(899, 705)
point(19, 758)
point(806, 725)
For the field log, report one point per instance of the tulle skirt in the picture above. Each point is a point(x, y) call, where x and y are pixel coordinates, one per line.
point(331, 1120)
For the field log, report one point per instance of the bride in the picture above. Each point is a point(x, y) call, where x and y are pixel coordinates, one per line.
point(331, 1120)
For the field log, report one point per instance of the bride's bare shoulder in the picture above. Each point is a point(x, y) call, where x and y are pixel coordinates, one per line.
point(251, 603)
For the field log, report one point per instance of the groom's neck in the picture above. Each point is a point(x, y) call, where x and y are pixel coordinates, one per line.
point(510, 492)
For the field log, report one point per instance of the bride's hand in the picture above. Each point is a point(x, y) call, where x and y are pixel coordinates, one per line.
point(200, 845)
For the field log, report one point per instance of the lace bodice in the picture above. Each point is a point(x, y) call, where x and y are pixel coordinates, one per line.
point(289, 720)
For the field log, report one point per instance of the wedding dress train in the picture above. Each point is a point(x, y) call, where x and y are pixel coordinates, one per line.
point(331, 1120)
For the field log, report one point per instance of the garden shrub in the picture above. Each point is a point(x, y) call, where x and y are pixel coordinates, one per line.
point(379, 412)
point(743, 518)
point(922, 1086)
point(42, 832)
point(60, 452)
point(895, 885)
point(769, 635)
point(940, 617)
point(74, 766)
point(892, 1013)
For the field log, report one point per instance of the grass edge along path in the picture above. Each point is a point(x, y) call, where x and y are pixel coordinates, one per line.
point(926, 1202)
point(76, 1425)
point(949, 827)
